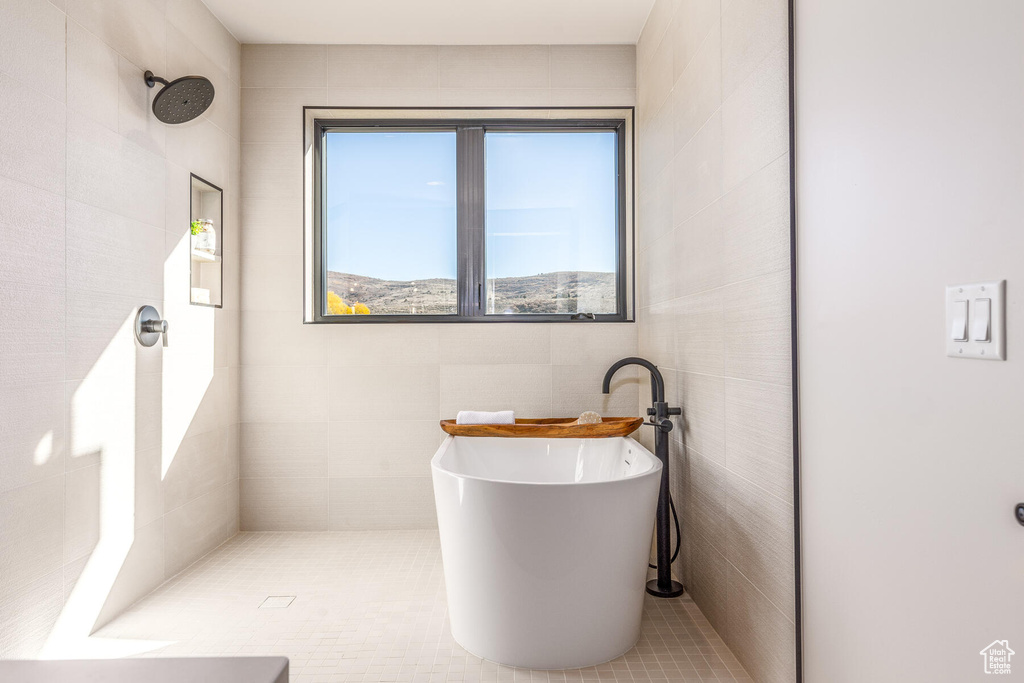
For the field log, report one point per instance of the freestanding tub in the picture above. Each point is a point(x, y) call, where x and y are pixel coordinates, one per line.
point(545, 544)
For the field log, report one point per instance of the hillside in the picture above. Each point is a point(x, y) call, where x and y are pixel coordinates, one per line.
point(561, 292)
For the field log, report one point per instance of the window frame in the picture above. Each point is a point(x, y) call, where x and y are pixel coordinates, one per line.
point(470, 204)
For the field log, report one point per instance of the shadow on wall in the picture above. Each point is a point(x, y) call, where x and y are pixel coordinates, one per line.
point(146, 434)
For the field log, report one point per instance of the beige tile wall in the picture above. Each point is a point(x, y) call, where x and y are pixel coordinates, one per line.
point(339, 421)
point(94, 199)
point(713, 285)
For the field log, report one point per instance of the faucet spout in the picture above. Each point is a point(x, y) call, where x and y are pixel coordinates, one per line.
point(657, 381)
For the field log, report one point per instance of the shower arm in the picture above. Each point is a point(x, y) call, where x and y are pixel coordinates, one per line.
point(152, 80)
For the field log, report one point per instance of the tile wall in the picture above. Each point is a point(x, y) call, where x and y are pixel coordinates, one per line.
point(339, 421)
point(118, 464)
point(713, 279)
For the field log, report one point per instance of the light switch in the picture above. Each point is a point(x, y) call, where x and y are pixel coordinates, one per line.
point(959, 331)
point(981, 324)
point(976, 320)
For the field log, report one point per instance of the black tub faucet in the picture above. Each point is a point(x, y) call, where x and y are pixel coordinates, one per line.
point(659, 412)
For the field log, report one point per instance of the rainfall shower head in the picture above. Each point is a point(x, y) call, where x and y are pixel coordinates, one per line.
point(182, 99)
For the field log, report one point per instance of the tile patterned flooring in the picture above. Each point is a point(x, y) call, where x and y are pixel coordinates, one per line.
point(370, 606)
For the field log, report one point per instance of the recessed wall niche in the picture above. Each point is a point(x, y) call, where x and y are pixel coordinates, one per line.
point(206, 243)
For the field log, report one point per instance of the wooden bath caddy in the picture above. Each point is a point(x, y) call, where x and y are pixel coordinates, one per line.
point(549, 428)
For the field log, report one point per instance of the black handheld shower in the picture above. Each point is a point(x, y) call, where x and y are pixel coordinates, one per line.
point(182, 99)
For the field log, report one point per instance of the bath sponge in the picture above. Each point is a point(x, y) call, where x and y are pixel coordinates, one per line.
point(589, 418)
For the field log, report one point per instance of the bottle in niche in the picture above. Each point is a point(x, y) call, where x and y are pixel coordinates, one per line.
point(204, 238)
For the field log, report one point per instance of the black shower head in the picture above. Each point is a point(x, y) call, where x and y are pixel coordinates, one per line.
point(182, 99)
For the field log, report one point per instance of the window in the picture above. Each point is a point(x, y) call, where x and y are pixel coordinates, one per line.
point(390, 238)
point(469, 220)
point(551, 222)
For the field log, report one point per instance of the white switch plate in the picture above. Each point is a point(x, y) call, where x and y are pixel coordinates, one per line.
point(995, 348)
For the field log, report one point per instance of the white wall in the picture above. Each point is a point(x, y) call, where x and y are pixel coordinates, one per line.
point(910, 176)
point(118, 464)
point(713, 276)
point(339, 421)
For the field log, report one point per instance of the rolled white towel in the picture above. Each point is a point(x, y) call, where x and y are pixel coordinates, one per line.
point(482, 417)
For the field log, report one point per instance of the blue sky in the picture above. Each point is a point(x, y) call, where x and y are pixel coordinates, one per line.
point(391, 203)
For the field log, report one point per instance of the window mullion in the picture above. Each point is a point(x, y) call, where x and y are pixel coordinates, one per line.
point(470, 174)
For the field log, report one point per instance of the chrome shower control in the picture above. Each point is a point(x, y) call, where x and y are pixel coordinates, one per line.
point(149, 327)
point(1019, 510)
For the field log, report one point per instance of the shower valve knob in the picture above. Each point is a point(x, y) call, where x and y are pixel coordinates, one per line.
point(156, 327)
point(149, 327)
point(1019, 512)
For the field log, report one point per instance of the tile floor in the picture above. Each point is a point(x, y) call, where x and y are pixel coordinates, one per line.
point(370, 606)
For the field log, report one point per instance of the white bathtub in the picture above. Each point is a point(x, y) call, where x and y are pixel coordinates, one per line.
point(545, 544)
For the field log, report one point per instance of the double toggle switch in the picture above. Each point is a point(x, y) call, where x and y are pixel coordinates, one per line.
point(974, 319)
point(981, 320)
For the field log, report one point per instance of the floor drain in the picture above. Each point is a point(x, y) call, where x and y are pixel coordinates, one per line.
point(277, 602)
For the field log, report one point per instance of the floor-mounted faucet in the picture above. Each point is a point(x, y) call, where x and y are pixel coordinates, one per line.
point(659, 412)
